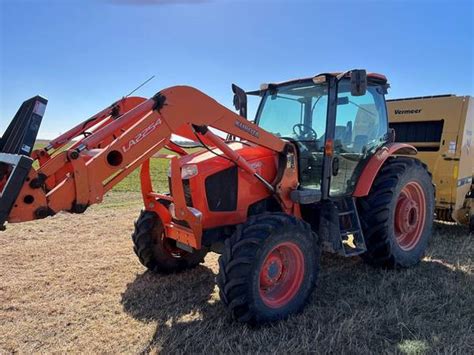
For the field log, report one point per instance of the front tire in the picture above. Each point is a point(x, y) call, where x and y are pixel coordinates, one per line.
point(158, 253)
point(397, 215)
point(268, 268)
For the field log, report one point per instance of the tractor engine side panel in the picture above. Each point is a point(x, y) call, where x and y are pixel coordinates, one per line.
point(223, 192)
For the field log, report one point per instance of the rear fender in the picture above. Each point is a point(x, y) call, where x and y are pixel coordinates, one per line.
point(373, 166)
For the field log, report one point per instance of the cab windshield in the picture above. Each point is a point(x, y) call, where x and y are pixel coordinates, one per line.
point(298, 112)
point(294, 111)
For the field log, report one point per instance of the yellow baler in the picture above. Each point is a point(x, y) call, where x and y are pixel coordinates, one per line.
point(441, 128)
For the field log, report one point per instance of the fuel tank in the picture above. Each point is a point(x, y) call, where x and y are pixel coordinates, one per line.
point(222, 191)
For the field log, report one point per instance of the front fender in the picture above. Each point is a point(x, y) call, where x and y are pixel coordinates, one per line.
point(373, 166)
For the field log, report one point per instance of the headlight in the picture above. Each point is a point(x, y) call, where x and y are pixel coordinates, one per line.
point(187, 171)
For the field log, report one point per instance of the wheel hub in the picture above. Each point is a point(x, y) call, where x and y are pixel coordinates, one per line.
point(410, 215)
point(272, 270)
point(281, 274)
point(406, 215)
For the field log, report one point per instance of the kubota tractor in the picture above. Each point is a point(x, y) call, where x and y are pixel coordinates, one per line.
point(316, 170)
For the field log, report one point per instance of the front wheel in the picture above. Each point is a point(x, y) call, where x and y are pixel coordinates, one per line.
point(397, 215)
point(158, 253)
point(268, 268)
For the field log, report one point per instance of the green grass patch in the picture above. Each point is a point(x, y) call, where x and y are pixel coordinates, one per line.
point(158, 173)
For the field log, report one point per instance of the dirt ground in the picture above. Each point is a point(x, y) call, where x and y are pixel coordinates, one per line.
point(72, 283)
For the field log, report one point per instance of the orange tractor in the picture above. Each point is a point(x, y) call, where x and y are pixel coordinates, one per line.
point(316, 170)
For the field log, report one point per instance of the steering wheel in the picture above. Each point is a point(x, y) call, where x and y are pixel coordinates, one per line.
point(304, 132)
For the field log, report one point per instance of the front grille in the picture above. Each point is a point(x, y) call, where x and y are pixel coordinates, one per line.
point(221, 190)
point(187, 191)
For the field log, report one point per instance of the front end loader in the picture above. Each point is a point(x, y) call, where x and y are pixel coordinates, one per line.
point(317, 170)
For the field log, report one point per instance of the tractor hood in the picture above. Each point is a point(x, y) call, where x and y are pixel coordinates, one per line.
point(214, 160)
point(222, 191)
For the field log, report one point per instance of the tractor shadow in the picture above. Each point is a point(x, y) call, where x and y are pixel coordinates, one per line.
point(178, 304)
point(380, 308)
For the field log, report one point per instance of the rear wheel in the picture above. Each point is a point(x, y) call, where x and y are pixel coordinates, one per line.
point(397, 215)
point(268, 268)
point(158, 253)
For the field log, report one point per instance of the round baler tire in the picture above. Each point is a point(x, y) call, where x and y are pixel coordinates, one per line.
point(387, 246)
point(149, 246)
point(246, 257)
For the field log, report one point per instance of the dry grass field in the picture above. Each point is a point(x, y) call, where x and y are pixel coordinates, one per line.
point(72, 283)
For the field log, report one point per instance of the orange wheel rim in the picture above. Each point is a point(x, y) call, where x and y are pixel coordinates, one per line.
point(281, 275)
point(410, 216)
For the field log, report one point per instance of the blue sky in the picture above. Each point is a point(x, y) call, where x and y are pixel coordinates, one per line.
point(83, 55)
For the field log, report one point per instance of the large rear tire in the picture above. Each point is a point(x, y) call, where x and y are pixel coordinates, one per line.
point(397, 215)
point(157, 253)
point(268, 268)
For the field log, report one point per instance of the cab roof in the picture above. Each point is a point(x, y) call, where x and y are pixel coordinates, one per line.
point(379, 78)
point(375, 78)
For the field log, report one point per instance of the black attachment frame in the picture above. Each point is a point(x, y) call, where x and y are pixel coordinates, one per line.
point(17, 169)
point(20, 135)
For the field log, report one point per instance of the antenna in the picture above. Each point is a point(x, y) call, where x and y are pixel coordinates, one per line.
point(139, 86)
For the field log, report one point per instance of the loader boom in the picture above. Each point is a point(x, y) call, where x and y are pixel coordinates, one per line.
point(126, 135)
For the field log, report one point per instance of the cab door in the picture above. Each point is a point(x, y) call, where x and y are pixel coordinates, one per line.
point(360, 128)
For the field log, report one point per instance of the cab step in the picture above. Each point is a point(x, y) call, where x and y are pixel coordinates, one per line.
point(351, 236)
point(340, 227)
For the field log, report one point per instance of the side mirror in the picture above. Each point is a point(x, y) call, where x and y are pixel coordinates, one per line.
point(358, 82)
point(240, 100)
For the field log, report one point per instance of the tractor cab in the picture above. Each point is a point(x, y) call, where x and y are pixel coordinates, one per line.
point(349, 125)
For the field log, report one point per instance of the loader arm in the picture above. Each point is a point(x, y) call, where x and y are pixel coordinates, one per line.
point(125, 135)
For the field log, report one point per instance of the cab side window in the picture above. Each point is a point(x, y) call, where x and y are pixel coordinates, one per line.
point(360, 121)
point(361, 125)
